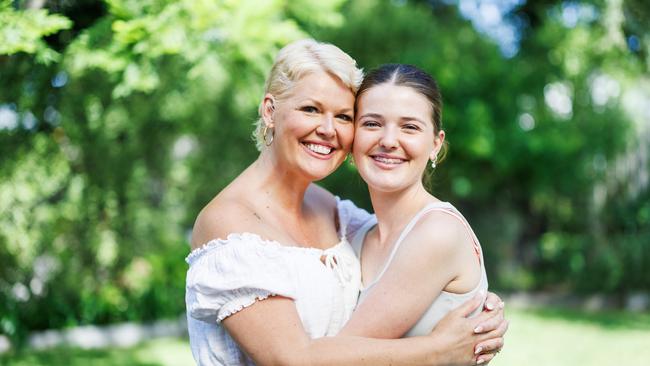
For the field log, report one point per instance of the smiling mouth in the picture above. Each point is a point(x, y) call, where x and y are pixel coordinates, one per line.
point(319, 149)
point(385, 160)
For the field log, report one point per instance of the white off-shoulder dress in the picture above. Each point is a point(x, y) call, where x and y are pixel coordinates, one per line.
point(446, 301)
point(227, 275)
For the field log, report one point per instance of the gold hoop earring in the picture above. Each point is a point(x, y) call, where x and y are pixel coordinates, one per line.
point(268, 141)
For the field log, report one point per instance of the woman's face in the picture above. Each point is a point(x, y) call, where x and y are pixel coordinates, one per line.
point(394, 137)
point(314, 125)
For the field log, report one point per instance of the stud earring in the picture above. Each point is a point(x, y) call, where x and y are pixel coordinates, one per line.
point(350, 159)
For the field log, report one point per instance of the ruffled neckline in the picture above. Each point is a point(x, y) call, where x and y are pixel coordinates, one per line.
point(247, 236)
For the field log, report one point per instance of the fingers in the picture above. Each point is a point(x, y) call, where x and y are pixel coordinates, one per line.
point(487, 350)
point(493, 302)
point(484, 359)
point(471, 305)
point(503, 328)
point(499, 332)
point(483, 317)
point(490, 346)
point(489, 324)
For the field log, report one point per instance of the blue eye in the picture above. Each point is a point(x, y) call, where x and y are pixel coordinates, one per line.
point(345, 117)
point(309, 109)
point(370, 124)
point(412, 127)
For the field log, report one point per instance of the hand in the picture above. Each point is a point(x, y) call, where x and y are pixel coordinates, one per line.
point(492, 329)
point(457, 336)
point(492, 344)
point(492, 302)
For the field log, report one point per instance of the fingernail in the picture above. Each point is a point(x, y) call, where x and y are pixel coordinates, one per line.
point(489, 306)
point(478, 350)
point(478, 329)
point(480, 361)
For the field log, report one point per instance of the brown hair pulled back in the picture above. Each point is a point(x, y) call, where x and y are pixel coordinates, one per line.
point(412, 77)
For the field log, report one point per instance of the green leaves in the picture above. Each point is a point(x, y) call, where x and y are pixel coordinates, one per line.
point(153, 118)
point(22, 31)
point(538, 135)
point(108, 151)
point(143, 39)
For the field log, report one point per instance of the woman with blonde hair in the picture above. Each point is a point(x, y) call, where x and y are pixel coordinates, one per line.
point(272, 277)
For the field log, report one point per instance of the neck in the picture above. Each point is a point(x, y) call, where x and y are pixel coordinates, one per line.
point(278, 186)
point(395, 209)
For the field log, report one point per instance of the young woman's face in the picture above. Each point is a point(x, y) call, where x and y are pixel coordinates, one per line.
point(314, 126)
point(394, 137)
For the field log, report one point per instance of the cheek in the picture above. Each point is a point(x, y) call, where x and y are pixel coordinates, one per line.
point(419, 147)
point(361, 141)
point(284, 124)
point(346, 136)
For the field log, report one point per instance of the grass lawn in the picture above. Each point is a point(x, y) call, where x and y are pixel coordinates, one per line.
point(158, 352)
point(539, 337)
point(562, 337)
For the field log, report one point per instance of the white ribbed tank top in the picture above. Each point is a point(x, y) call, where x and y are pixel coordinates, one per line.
point(446, 301)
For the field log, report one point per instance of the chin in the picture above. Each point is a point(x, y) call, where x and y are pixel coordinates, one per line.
point(388, 182)
point(387, 188)
point(319, 173)
point(383, 185)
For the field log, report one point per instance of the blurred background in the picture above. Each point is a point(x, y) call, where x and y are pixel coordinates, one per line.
point(120, 119)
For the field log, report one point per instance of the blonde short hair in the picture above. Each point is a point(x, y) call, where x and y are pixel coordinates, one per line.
point(300, 58)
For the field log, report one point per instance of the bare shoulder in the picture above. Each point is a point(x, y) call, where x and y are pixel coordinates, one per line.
point(442, 233)
point(220, 217)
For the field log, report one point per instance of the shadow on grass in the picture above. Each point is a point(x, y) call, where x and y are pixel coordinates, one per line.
point(605, 319)
point(75, 357)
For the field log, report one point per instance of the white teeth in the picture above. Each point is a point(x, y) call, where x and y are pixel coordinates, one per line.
point(319, 149)
point(387, 160)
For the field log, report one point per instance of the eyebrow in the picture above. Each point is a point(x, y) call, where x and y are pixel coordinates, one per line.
point(379, 116)
point(372, 115)
point(413, 119)
point(311, 100)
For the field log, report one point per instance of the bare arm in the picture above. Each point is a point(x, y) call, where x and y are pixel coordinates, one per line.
point(421, 269)
point(271, 333)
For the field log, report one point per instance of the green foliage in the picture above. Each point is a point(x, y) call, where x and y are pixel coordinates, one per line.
point(526, 175)
point(22, 31)
point(114, 148)
point(108, 153)
point(158, 352)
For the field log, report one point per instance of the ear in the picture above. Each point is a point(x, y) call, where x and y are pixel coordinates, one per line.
point(268, 108)
point(438, 140)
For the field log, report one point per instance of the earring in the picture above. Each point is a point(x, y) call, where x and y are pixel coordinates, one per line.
point(350, 159)
point(433, 163)
point(268, 141)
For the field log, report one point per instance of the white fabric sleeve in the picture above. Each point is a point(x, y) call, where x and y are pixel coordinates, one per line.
point(228, 275)
point(351, 217)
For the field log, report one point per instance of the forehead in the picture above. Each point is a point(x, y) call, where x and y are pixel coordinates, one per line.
point(324, 88)
point(394, 100)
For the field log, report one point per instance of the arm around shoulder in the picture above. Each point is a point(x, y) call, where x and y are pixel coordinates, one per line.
point(271, 333)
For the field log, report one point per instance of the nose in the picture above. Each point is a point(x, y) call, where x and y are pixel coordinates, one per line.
point(388, 139)
point(326, 127)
